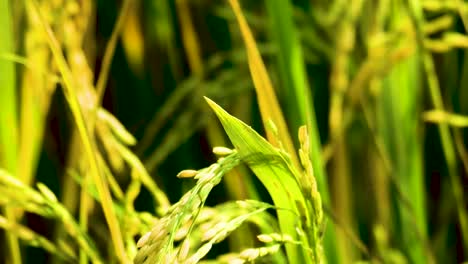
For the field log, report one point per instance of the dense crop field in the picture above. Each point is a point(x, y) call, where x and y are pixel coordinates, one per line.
point(200, 131)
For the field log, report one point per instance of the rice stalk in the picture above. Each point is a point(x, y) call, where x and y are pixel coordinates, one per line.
point(298, 103)
point(447, 141)
point(69, 91)
point(110, 49)
point(8, 119)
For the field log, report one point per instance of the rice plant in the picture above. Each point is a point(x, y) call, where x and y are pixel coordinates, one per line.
point(180, 131)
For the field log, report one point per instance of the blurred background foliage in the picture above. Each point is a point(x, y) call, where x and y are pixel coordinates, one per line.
point(382, 85)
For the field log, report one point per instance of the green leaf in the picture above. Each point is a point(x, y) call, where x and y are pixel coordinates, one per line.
point(267, 101)
point(276, 172)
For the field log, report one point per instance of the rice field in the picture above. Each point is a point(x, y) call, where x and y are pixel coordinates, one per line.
point(233, 131)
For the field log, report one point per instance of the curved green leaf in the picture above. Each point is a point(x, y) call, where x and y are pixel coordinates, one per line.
point(276, 172)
